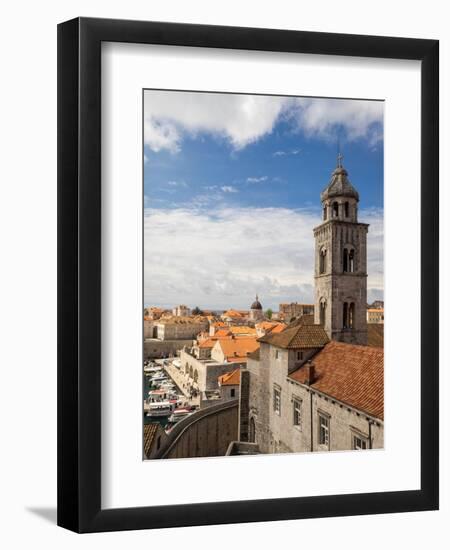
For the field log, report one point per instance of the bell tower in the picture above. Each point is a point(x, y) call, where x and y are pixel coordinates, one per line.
point(340, 271)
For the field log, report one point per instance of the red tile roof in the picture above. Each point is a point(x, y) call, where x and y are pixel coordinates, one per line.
point(351, 374)
point(238, 330)
point(232, 313)
point(375, 335)
point(150, 431)
point(207, 344)
point(221, 333)
point(230, 378)
point(237, 349)
point(300, 336)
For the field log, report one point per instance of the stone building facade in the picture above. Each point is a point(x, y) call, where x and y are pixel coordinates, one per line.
point(340, 270)
point(375, 316)
point(316, 386)
point(203, 374)
point(180, 328)
point(181, 311)
point(294, 309)
point(333, 401)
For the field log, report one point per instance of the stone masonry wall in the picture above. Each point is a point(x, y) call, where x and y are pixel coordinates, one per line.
point(156, 349)
point(205, 433)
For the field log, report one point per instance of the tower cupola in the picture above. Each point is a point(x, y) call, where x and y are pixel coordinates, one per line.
point(339, 198)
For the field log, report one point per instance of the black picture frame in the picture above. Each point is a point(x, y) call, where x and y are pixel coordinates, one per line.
point(79, 274)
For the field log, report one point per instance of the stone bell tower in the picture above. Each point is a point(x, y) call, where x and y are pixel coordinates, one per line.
point(340, 272)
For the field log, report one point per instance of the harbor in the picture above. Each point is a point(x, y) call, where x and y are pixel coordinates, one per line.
point(167, 397)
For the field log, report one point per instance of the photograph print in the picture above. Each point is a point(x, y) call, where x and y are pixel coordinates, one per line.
point(263, 313)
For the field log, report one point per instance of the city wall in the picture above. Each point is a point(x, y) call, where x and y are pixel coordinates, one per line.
point(207, 432)
point(156, 349)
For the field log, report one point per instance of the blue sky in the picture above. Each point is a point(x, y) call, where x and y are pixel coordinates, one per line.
point(232, 186)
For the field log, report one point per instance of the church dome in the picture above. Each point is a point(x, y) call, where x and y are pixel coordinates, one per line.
point(339, 185)
point(256, 304)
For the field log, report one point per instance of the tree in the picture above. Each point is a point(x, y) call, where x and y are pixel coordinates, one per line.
point(269, 313)
point(197, 311)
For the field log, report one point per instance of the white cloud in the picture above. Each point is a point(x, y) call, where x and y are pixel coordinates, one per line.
point(222, 259)
point(286, 153)
point(244, 119)
point(255, 179)
point(240, 119)
point(229, 189)
point(325, 118)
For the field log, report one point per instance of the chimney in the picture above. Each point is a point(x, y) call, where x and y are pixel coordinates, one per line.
point(310, 373)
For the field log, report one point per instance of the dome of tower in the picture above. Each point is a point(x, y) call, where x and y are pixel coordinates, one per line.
point(256, 304)
point(339, 186)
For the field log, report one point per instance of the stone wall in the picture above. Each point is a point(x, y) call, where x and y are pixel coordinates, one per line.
point(207, 432)
point(259, 398)
point(181, 331)
point(156, 349)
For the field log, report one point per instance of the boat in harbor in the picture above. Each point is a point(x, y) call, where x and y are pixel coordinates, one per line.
point(152, 369)
point(159, 378)
point(160, 409)
point(161, 395)
point(167, 386)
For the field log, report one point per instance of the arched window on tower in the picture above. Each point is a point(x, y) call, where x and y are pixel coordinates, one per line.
point(351, 315)
point(348, 315)
point(335, 209)
point(348, 260)
point(351, 261)
point(323, 310)
point(325, 213)
point(346, 209)
point(323, 260)
point(345, 315)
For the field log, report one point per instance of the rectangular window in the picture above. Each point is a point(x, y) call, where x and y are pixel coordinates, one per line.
point(232, 392)
point(277, 400)
point(277, 354)
point(324, 430)
point(299, 355)
point(297, 409)
point(359, 443)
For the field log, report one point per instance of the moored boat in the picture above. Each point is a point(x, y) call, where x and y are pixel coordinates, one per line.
point(160, 409)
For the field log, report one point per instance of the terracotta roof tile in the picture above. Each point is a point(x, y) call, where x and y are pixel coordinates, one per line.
point(375, 335)
point(232, 313)
point(237, 349)
point(149, 436)
point(351, 374)
point(300, 336)
point(231, 378)
point(221, 333)
point(207, 344)
point(279, 327)
point(303, 320)
point(242, 330)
